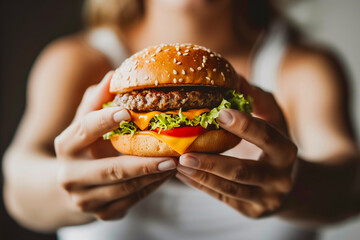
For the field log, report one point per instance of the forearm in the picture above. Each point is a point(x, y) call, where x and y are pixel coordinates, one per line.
point(32, 195)
point(323, 193)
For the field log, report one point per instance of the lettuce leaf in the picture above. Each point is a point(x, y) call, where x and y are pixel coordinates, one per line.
point(124, 128)
point(164, 121)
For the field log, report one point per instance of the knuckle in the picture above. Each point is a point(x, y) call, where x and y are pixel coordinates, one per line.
point(104, 215)
point(102, 122)
point(88, 92)
point(82, 204)
point(113, 172)
point(209, 164)
point(231, 189)
point(286, 185)
point(255, 211)
point(81, 129)
point(145, 169)
point(128, 187)
point(65, 180)
point(243, 125)
point(241, 173)
point(273, 203)
point(202, 176)
point(267, 135)
point(141, 194)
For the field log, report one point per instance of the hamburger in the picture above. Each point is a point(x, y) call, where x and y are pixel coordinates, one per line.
point(174, 93)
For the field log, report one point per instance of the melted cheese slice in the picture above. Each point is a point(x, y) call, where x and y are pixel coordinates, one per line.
point(142, 119)
point(179, 144)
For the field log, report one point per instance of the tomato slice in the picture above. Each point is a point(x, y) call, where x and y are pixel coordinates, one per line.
point(186, 131)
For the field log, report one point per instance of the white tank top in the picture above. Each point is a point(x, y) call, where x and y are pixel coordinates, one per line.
point(176, 211)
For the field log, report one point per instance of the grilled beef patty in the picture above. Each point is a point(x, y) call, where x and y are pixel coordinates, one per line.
point(163, 99)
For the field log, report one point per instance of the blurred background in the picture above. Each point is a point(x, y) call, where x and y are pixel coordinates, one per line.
point(27, 26)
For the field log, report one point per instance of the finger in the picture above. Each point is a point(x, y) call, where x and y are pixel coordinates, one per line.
point(280, 149)
point(242, 171)
point(88, 129)
point(114, 209)
point(228, 188)
point(246, 208)
point(82, 174)
point(94, 198)
point(95, 96)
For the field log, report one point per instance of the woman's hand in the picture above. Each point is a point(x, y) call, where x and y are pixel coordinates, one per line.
point(254, 188)
point(109, 186)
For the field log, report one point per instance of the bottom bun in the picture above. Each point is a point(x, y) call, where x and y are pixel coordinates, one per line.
point(214, 141)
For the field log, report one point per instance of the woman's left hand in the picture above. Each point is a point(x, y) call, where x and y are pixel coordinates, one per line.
point(254, 188)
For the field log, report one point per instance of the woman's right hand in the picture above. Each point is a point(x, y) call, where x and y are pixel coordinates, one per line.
point(105, 186)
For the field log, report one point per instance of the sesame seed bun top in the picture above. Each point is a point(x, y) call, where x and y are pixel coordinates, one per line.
point(173, 65)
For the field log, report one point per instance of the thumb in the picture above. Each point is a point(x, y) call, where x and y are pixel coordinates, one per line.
point(95, 96)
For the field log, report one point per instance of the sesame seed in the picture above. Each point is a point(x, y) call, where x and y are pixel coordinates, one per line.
point(178, 63)
point(152, 55)
point(227, 65)
point(147, 61)
point(185, 54)
point(212, 82)
point(223, 76)
point(228, 70)
point(144, 55)
point(207, 78)
point(212, 55)
point(180, 79)
point(147, 52)
point(199, 68)
point(179, 53)
point(189, 46)
point(135, 66)
point(177, 48)
point(153, 59)
point(158, 50)
point(136, 62)
point(166, 50)
point(146, 77)
point(196, 48)
point(214, 70)
point(175, 60)
point(203, 65)
point(175, 81)
point(183, 72)
point(128, 78)
point(187, 50)
point(174, 71)
point(191, 69)
point(182, 45)
point(156, 82)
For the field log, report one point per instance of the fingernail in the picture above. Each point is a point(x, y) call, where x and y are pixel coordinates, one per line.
point(225, 117)
point(186, 170)
point(121, 115)
point(167, 165)
point(189, 161)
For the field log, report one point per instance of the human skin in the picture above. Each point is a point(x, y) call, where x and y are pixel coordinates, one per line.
point(69, 66)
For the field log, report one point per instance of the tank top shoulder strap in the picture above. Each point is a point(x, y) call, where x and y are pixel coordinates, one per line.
point(106, 41)
point(268, 59)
